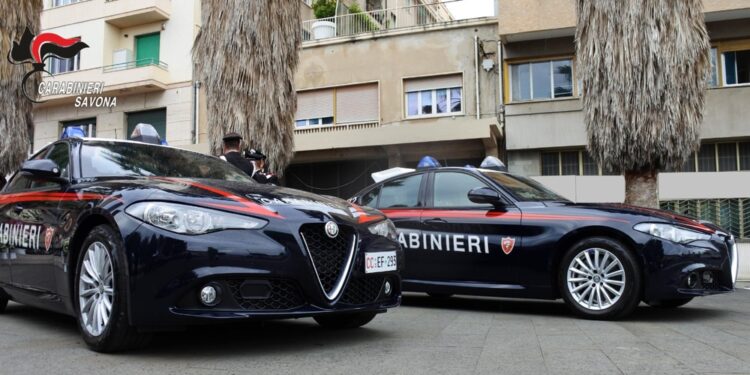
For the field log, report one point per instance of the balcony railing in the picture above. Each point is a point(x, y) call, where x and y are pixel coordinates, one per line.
point(376, 20)
point(135, 64)
point(336, 127)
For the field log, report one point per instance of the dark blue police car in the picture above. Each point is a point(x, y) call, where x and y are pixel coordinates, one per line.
point(130, 237)
point(486, 232)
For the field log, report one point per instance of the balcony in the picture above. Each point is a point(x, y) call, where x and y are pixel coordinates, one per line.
point(373, 133)
point(123, 13)
point(119, 13)
point(375, 21)
point(120, 79)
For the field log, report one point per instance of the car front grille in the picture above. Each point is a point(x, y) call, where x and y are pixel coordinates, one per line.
point(283, 295)
point(330, 256)
point(363, 290)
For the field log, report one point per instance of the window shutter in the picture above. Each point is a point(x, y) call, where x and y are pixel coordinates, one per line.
point(432, 83)
point(314, 104)
point(357, 104)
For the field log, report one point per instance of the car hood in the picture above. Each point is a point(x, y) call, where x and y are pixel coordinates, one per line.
point(257, 199)
point(645, 214)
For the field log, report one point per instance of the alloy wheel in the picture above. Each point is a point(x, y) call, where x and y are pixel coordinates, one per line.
point(96, 289)
point(596, 279)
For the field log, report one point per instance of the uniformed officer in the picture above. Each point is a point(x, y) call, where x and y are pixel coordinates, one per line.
point(233, 155)
point(259, 168)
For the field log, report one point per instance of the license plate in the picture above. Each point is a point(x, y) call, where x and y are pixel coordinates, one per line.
point(383, 261)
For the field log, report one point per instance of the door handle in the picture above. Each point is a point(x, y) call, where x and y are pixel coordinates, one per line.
point(18, 208)
point(435, 221)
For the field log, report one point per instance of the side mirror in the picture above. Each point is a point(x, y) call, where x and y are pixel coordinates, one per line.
point(486, 195)
point(42, 168)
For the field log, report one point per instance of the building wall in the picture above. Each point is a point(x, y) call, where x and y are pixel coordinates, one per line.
point(175, 92)
point(388, 60)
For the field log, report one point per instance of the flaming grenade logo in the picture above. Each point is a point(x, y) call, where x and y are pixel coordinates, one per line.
point(36, 49)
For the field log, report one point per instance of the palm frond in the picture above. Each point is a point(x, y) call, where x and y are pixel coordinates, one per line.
point(644, 67)
point(246, 55)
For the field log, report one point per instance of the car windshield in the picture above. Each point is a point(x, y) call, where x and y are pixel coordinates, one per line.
point(121, 159)
point(522, 188)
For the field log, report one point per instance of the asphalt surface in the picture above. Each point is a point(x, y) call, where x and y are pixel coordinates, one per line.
point(424, 336)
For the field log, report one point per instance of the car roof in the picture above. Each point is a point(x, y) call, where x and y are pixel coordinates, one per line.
point(89, 140)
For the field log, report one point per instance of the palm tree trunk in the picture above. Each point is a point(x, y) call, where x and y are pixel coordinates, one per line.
point(16, 124)
point(642, 188)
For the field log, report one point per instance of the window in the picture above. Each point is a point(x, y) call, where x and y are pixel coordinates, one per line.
point(57, 65)
point(60, 155)
point(452, 189)
point(571, 163)
point(313, 122)
point(522, 188)
point(744, 153)
point(401, 193)
point(147, 49)
point(371, 198)
point(727, 153)
point(539, 80)
point(434, 96)
point(58, 3)
point(707, 158)
point(736, 67)
point(351, 104)
point(722, 157)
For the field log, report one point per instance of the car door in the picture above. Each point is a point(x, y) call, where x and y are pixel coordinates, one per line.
point(401, 199)
point(467, 241)
point(36, 217)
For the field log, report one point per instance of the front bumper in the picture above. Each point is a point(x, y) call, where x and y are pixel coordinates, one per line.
point(264, 274)
point(700, 268)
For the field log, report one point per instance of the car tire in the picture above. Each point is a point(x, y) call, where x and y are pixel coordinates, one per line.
point(440, 295)
point(608, 287)
point(101, 262)
point(669, 303)
point(3, 304)
point(345, 321)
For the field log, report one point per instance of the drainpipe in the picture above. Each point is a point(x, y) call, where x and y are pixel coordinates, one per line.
point(476, 70)
point(196, 111)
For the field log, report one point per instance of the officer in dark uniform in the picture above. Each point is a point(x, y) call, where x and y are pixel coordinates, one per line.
point(260, 174)
point(233, 155)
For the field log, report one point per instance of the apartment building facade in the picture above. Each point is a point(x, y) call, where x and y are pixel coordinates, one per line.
point(545, 132)
point(141, 52)
point(406, 87)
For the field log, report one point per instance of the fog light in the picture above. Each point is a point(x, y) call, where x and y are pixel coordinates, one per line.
point(708, 277)
point(210, 295)
point(387, 288)
point(692, 280)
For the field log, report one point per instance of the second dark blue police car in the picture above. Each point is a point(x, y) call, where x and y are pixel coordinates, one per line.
point(483, 231)
point(130, 238)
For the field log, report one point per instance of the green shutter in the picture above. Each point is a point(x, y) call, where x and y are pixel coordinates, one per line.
point(157, 118)
point(147, 49)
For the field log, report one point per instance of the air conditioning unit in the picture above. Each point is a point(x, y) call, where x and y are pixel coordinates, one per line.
point(121, 58)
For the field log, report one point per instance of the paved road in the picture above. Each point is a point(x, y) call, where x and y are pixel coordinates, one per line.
point(425, 336)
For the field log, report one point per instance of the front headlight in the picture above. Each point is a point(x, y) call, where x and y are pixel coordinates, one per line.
point(671, 232)
point(384, 228)
point(184, 219)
